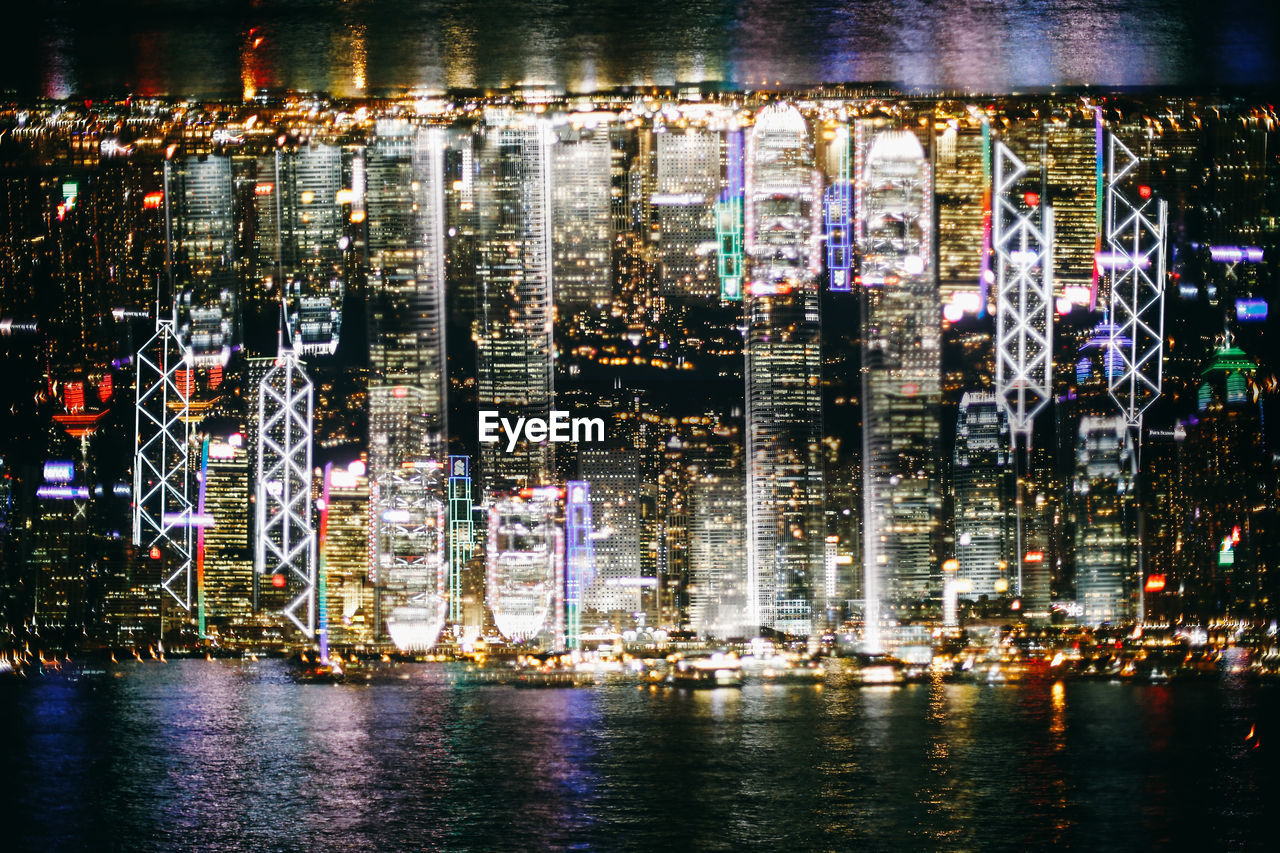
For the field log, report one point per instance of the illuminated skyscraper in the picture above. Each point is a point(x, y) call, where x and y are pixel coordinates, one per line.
point(688, 179)
point(1102, 504)
point(962, 180)
point(785, 533)
point(581, 219)
point(200, 198)
point(311, 244)
point(403, 176)
point(901, 377)
point(228, 559)
point(717, 555)
point(1231, 537)
point(614, 477)
point(344, 557)
point(514, 328)
point(980, 481)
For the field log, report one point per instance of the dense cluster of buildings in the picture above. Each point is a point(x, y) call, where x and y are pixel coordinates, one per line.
point(247, 346)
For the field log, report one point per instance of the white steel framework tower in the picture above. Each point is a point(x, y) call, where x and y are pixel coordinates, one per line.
point(1135, 306)
point(285, 543)
point(1022, 237)
point(1135, 309)
point(161, 483)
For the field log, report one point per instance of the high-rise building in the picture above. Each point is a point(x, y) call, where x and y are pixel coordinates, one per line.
point(717, 557)
point(200, 199)
point(1102, 506)
point(403, 178)
point(311, 243)
point(227, 562)
point(901, 378)
point(515, 349)
point(613, 474)
point(581, 206)
point(786, 531)
point(687, 181)
point(1229, 561)
point(980, 485)
point(961, 184)
point(344, 556)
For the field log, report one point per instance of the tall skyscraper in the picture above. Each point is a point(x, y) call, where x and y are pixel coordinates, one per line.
point(687, 162)
point(1231, 531)
point(581, 206)
point(1103, 510)
point(514, 326)
point(311, 244)
point(786, 533)
point(403, 178)
point(980, 479)
point(901, 378)
point(200, 199)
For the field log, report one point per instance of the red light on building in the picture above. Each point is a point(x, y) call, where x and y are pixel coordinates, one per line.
point(186, 382)
point(263, 189)
point(155, 552)
point(1032, 199)
point(1155, 583)
point(1144, 191)
point(215, 376)
point(106, 388)
point(1034, 557)
point(399, 391)
point(152, 201)
point(1016, 604)
point(73, 396)
point(278, 581)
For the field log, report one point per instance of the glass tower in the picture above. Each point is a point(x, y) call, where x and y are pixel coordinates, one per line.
point(783, 373)
point(901, 378)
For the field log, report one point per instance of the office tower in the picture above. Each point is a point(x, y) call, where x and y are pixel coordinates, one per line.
point(962, 181)
point(686, 183)
point(717, 557)
point(515, 350)
point(62, 552)
point(1230, 482)
point(404, 208)
point(344, 556)
point(613, 474)
point(200, 195)
point(525, 568)
point(227, 561)
point(1070, 175)
point(311, 243)
point(980, 482)
point(1102, 506)
point(581, 204)
point(783, 373)
point(901, 378)
point(403, 178)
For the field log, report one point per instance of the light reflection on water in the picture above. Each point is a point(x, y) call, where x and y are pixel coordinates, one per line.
point(353, 48)
point(220, 755)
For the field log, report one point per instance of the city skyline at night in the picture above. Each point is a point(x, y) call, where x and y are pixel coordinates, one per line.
point(515, 425)
point(408, 262)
